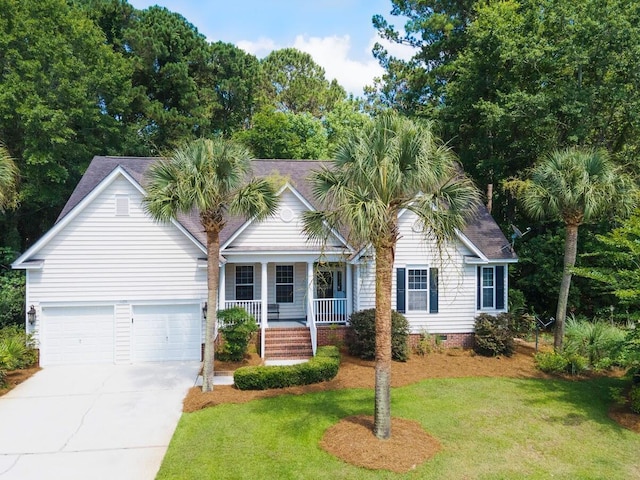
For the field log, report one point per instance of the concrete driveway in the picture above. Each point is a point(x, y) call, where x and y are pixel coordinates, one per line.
point(92, 422)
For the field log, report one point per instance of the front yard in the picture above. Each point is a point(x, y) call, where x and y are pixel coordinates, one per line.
point(488, 427)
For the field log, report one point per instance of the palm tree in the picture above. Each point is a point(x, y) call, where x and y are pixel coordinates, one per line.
point(390, 165)
point(575, 186)
point(8, 179)
point(209, 176)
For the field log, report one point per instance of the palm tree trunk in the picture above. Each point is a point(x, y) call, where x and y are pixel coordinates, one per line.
point(384, 272)
point(213, 278)
point(570, 249)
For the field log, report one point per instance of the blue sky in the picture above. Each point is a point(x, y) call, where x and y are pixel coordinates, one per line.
point(337, 33)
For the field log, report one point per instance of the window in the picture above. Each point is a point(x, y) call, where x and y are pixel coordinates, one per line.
point(284, 283)
point(417, 290)
point(488, 287)
point(492, 287)
point(244, 282)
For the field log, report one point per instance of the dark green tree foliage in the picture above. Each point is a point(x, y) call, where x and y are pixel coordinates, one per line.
point(170, 59)
point(277, 134)
point(614, 263)
point(436, 28)
point(512, 80)
point(234, 77)
point(62, 96)
point(293, 82)
point(12, 291)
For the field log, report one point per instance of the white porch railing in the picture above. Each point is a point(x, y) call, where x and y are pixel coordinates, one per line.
point(253, 307)
point(330, 310)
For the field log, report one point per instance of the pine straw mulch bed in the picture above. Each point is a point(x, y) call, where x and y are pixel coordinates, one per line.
point(365, 449)
point(16, 377)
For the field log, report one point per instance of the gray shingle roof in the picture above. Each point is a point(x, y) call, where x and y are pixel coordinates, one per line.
point(483, 231)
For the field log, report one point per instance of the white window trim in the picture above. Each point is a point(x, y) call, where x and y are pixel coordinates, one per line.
point(253, 281)
point(483, 288)
point(408, 290)
point(293, 284)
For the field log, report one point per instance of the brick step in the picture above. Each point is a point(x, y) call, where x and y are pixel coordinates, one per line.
point(288, 343)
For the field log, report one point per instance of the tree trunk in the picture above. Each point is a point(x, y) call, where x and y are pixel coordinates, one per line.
point(213, 278)
point(570, 249)
point(490, 197)
point(384, 272)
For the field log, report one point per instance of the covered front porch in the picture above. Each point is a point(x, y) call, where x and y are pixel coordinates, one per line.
point(289, 292)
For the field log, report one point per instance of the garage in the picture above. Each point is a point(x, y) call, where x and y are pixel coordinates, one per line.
point(166, 332)
point(73, 335)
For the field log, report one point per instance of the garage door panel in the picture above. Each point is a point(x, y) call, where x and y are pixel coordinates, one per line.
point(166, 332)
point(77, 335)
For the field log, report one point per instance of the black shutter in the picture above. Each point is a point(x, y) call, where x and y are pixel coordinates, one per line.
point(433, 290)
point(400, 290)
point(479, 293)
point(500, 287)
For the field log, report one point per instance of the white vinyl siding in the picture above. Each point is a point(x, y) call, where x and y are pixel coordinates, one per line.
point(99, 256)
point(456, 281)
point(283, 229)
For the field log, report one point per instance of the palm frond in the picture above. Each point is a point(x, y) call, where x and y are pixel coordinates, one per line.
point(9, 175)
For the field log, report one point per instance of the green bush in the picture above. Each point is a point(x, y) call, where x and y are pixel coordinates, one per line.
point(362, 340)
point(551, 362)
point(557, 363)
point(634, 398)
point(15, 349)
point(324, 366)
point(594, 341)
point(12, 290)
point(493, 335)
point(237, 326)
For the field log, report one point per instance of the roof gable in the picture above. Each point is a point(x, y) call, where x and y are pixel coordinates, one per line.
point(482, 232)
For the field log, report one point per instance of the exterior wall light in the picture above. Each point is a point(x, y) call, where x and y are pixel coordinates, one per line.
point(31, 315)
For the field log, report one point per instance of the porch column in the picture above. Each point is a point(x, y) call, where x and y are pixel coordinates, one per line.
point(349, 290)
point(264, 292)
point(310, 313)
point(222, 288)
point(264, 310)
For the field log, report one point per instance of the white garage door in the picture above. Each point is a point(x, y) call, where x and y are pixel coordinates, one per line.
point(166, 332)
point(72, 335)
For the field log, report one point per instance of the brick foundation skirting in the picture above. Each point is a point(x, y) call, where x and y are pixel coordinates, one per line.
point(337, 335)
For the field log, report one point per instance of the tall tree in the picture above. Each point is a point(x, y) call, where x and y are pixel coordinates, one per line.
point(276, 134)
point(293, 82)
point(390, 165)
point(209, 176)
point(8, 179)
point(170, 64)
point(63, 92)
point(575, 186)
point(234, 77)
point(511, 80)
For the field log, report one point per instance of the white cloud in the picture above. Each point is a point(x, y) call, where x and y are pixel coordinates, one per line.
point(335, 55)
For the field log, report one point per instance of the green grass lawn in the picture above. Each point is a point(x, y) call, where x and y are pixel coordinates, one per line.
point(489, 428)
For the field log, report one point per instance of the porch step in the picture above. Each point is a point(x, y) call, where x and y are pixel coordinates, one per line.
point(288, 343)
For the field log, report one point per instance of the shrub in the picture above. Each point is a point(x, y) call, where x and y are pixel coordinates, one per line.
point(594, 341)
point(634, 398)
point(493, 336)
point(551, 362)
point(237, 327)
point(324, 366)
point(12, 295)
point(15, 349)
point(557, 363)
point(362, 341)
